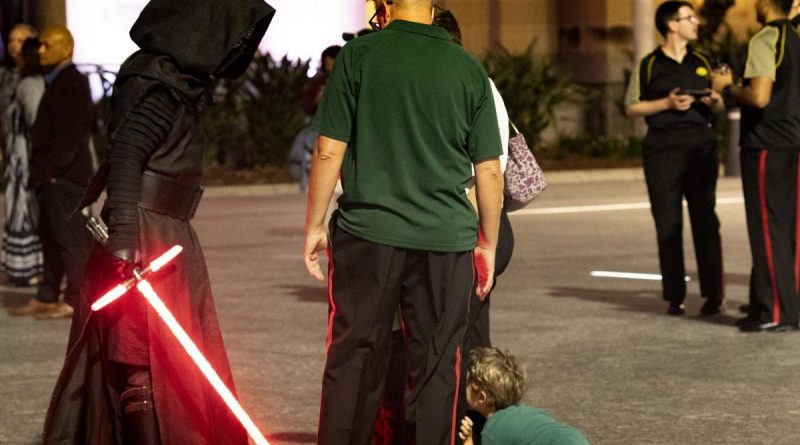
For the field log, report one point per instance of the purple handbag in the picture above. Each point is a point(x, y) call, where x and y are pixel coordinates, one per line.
point(523, 176)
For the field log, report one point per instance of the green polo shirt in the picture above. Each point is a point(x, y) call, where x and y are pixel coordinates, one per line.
point(416, 111)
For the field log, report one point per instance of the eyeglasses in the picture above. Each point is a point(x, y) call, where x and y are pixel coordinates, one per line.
point(373, 21)
point(691, 18)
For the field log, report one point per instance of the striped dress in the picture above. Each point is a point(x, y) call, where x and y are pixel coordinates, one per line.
point(22, 252)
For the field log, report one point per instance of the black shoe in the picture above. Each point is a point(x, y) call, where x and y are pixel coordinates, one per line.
point(755, 326)
point(675, 309)
point(712, 306)
point(745, 308)
point(744, 320)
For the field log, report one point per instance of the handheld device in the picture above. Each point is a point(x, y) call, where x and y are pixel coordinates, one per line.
point(695, 93)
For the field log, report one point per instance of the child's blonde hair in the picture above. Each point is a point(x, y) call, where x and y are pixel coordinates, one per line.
point(498, 373)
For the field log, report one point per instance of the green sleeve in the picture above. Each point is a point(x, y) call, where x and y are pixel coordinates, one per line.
point(336, 112)
point(633, 94)
point(483, 141)
point(761, 55)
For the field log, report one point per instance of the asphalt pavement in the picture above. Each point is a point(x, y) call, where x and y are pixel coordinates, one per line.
point(601, 353)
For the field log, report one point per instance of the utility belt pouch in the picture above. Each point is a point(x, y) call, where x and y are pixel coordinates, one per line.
point(169, 196)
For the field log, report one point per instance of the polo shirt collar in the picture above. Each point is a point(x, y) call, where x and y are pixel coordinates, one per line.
point(51, 76)
point(436, 32)
point(780, 22)
point(689, 53)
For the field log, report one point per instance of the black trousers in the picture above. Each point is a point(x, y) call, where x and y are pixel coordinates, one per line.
point(65, 241)
point(388, 428)
point(690, 171)
point(367, 283)
point(770, 183)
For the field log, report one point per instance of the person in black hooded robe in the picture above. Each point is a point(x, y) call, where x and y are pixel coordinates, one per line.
point(126, 379)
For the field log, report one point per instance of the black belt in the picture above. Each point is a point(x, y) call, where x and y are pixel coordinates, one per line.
point(166, 195)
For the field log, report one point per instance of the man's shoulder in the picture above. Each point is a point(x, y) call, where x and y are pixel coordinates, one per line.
point(647, 61)
point(767, 35)
point(68, 79)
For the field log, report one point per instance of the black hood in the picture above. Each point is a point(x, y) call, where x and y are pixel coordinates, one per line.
point(204, 37)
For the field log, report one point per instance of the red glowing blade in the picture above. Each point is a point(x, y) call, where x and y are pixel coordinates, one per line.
point(165, 258)
point(120, 290)
point(109, 297)
point(205, 367)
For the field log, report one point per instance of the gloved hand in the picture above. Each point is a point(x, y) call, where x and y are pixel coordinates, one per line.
point(119, 266)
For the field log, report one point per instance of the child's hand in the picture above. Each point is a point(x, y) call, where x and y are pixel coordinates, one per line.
point(466, 431)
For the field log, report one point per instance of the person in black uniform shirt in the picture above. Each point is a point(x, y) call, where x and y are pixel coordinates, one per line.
point(770, 140)
point(670, 88)
point(126, 379)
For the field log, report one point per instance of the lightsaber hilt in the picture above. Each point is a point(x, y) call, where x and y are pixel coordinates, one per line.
point(98, 229)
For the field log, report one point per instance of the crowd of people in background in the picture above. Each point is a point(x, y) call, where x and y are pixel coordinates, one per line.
point(46, 148)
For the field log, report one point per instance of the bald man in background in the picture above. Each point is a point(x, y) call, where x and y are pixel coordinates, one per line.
point(61, 166)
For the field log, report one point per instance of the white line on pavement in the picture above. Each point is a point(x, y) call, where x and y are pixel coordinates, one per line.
point(628, 275)
point(606, 207)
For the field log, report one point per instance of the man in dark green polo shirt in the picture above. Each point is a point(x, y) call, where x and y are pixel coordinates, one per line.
point(770, 140)
point(680, 154)
point(406, 115)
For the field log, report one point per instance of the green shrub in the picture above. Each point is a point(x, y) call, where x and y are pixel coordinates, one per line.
point(603, 146)
point(255, 118)
point(532, 87)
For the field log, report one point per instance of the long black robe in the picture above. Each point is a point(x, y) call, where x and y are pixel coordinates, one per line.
point(84, 407)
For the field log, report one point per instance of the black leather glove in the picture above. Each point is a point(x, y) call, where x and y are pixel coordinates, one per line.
point(119, 266)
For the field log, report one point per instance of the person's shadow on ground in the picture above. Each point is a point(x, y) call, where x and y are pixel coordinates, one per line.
point(649, 301)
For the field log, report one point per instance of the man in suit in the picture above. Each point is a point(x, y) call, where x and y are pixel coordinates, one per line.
point(61, 166)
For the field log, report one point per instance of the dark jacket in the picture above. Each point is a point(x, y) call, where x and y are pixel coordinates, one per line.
point(60, 134)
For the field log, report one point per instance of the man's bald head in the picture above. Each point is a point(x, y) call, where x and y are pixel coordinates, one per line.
point(400, 4)
point(57, 46)
point(426, 4)
point(420, 11)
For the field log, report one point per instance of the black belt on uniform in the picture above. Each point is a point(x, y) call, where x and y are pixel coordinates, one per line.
point(168, 196)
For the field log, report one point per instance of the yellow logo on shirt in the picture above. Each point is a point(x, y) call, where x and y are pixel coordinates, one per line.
point(702, 71)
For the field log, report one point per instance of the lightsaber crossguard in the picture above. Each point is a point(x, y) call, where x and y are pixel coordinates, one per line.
point(139, 280)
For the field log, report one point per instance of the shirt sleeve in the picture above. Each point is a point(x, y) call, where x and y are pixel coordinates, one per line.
point(483, 141)
point(144, 130)
point(336, 112)
point(502, 123)
point(761, 55)
point(633, 94)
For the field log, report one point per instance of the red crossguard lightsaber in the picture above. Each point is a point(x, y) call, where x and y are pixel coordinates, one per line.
point(143, 286)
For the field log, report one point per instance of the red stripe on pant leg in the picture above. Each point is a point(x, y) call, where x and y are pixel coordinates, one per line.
point(797, 235)
point(330, 301)
point(455, 399)
point(762, 194)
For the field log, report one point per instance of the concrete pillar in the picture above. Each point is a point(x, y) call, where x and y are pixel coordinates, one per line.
point(644, 28)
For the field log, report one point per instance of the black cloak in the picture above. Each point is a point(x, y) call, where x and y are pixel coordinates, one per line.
point(155, 126)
